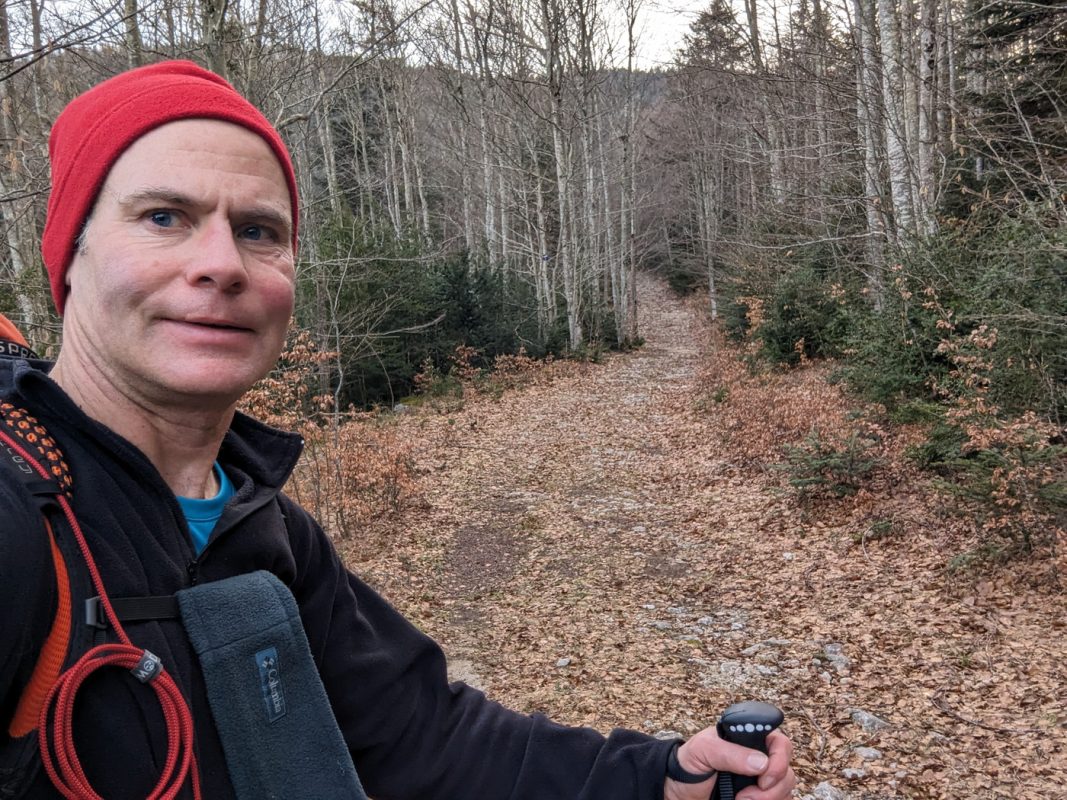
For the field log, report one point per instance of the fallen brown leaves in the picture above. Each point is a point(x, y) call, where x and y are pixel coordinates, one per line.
point(608, 544)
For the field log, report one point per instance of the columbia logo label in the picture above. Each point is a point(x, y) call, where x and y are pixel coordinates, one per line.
point(270, 683)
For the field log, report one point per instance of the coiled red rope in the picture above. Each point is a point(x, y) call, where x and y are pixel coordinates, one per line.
point(55, 728)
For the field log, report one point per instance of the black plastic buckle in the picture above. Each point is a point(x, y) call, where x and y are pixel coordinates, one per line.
point(94, 614)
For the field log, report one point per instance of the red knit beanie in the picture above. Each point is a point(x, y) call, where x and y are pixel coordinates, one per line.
point(96, 128)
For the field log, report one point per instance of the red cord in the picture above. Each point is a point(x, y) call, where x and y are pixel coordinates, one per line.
point(58, 753)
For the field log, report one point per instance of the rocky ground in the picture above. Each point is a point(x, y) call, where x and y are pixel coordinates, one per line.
point(604, 545)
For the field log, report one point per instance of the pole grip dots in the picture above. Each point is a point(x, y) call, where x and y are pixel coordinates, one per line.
point(748, 725)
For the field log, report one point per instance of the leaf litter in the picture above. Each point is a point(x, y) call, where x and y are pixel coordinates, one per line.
point(609, 544)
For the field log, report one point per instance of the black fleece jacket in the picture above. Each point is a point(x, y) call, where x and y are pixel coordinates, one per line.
point(412, 735)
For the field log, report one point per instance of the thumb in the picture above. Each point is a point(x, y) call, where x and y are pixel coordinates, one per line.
point(706, 751)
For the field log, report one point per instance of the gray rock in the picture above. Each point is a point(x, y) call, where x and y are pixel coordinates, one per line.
point(400, 408)
point(852, 774)
point(661, 626)
point(667, 735)
point(868, 753)
point(460, 669)
point(827, 791)
point(563, 662)
point(868, 721)
point(835, 654)
point(732, 675)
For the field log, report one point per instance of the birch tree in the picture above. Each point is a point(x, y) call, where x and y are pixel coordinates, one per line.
point(896, 120)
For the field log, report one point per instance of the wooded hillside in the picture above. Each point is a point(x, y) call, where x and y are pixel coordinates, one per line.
point(876, 187)
point(879, 182)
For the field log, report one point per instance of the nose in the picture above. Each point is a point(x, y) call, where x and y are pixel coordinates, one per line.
point(218, 261)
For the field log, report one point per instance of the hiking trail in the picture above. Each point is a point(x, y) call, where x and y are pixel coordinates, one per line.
point(583, 547)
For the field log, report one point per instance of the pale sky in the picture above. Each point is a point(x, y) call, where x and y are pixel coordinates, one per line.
point(665, 22)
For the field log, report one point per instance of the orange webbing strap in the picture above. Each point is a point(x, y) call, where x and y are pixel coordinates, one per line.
point(32, 433)
point(37, 442)
point(50, 660)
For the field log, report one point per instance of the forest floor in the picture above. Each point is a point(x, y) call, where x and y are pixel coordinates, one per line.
point(609, 544)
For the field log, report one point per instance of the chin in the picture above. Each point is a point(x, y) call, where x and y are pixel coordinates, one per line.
point(219, 388)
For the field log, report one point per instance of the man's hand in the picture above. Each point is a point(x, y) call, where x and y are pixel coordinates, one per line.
point(706, 752)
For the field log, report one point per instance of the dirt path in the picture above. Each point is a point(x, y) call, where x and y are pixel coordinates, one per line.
point(586, 549)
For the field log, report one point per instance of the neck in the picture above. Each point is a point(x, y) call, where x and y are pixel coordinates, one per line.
point(180, 436)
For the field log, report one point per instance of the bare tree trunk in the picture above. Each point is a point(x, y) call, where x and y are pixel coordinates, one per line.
point(773, 137)
point(503, 202)
point(629, 177)
point(213, 20)
point(329, 157)
point(823, 158)
point(868, 117)
point(612, 252)
point(927, 116)
point(168, 19)
point(134, 48)
point(546, 305)
point(462, 126)
point(333, 185)
point(948, 105)
point(909, 60)
point(564, 170)
point(900, 182)
point(393, 187)
point(15, 207)
point(420, 185)
point(488, 193)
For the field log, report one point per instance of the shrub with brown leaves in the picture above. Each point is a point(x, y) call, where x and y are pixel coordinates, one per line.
point(354, 472)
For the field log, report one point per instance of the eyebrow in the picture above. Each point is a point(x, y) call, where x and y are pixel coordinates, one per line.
point(160, 194)
point(173, 197)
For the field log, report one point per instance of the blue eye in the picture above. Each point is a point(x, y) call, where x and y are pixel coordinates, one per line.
point(256, 233)
point(163, 219)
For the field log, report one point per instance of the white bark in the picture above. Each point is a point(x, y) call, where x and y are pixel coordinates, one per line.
point(927, 117)
point(868, 118)
point(900, 182)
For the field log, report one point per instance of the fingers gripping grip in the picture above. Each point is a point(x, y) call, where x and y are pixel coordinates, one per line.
point(748, 725)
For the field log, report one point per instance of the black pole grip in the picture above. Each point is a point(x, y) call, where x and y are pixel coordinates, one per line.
point(748, 725)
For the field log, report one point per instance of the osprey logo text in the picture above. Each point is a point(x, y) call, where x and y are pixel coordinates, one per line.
point(18, 461)
point(270, 683)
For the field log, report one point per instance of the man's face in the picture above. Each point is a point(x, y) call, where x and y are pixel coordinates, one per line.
point(182, 290)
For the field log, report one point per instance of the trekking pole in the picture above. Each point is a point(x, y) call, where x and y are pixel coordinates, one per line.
point(748, 725)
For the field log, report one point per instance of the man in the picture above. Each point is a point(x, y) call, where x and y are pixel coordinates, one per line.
point(170, 248)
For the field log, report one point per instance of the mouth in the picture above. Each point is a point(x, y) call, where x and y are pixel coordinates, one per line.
point(216, 324)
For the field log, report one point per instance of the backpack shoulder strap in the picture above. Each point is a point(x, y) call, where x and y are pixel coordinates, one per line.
point(25, 440)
